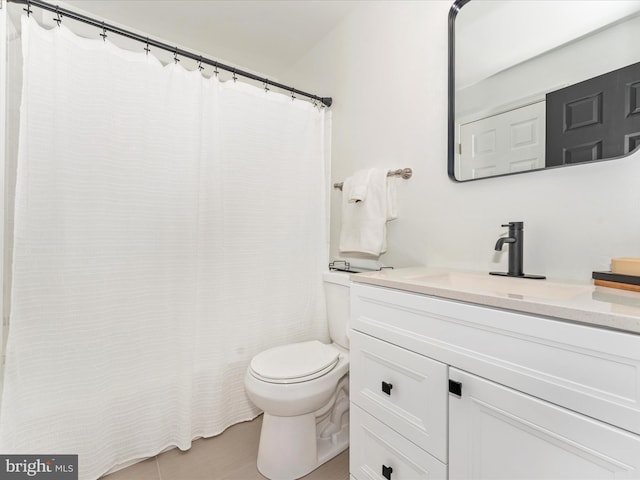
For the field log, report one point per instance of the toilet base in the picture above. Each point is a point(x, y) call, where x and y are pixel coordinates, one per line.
point(290, 447)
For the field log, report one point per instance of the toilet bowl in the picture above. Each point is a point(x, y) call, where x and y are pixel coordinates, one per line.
point(303, 389)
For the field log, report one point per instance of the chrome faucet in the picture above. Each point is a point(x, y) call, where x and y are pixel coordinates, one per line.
point(515, 239)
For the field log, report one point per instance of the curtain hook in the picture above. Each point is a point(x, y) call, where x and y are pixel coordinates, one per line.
point(28, 9)
point(234, 76)
point(58, 18)
point(175, 56)
point(146, 47)
point(293, 97)
point(200, 67)
point(215, 68)
point(104, 32)
point(266, 85)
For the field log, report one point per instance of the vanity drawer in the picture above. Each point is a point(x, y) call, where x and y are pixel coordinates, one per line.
point(375, 447)
point(404, 390)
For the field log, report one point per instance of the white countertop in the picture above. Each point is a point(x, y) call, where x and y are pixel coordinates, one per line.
point(589, 304)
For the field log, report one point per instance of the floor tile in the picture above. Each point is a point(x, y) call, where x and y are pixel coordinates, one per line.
point(215, 457)
point(229, 456)
point(245, 471)
point(145, 470)
point(335, 469)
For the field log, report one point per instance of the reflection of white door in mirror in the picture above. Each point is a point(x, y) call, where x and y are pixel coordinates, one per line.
point(508, 142)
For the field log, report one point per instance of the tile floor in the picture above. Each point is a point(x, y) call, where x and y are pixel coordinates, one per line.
point(229, 456)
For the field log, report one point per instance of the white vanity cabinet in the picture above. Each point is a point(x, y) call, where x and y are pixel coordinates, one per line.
point(447, 389)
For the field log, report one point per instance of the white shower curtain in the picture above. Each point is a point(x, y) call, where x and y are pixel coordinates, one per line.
point(167, 228)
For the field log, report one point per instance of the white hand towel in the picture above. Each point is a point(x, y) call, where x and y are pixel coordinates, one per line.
point(364, 223)
point(355, 186)
point(392, 205)
point(392, 208)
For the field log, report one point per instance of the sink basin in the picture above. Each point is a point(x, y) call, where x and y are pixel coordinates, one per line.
point(501, 286)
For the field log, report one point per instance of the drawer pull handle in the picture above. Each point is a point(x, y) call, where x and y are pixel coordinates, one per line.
point(386, 472)
point(455, 388)
point(386, 388)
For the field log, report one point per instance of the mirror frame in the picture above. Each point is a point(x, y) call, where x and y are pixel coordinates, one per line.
point(453, 12)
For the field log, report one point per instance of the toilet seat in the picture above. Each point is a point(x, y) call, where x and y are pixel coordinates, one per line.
point(294, 363)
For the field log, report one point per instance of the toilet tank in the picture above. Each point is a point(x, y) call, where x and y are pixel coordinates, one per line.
point(336, 291)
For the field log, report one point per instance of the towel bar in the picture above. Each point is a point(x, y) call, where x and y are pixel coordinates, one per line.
point(401, 172)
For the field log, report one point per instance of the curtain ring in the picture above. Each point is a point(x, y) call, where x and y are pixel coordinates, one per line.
point(104, 33)
point(146, 47)
point(293, 97)
point(215, 69)
point(175, 56)
point(200, 67)
point(266, 85)
point(234, 76)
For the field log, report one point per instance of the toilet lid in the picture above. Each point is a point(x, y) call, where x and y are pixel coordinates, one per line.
point(296, 362)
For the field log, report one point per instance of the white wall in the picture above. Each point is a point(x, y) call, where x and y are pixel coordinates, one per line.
point(386, 67)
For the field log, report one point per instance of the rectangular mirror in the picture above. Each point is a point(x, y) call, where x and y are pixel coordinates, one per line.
point(537, 84)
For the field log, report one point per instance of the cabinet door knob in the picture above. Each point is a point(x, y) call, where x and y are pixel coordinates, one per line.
point(386, 472)
point(386, 388)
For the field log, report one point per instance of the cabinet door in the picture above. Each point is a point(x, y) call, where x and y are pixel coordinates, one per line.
point(496, 432)
point(402, 389)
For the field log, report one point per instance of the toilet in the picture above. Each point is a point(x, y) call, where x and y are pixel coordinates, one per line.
point(303, 389)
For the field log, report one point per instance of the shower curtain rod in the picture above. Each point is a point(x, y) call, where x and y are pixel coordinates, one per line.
point(62, 12)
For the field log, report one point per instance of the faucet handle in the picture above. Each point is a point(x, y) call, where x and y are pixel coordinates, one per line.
point(514, 225)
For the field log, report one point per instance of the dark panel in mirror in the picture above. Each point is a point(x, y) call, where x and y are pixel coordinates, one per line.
point(520, 73)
